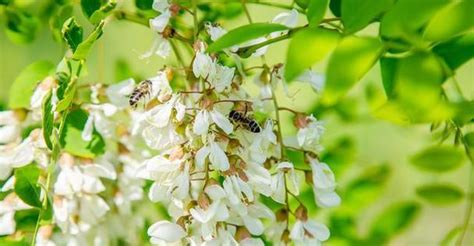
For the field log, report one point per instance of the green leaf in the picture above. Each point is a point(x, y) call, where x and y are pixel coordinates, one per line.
point(8, 241)
point(406, 18)
point(25, 83)
point(90, 6)
point(56, 21)
point(26, 219)
point(366, 188)
point(316, 11)
point(417, 83)
point(21, 27)
point(84, 48)
point(388, 67)
point(453, 20)
point(26, 186)
point(340, 155)
point(457, 51)
point(452, 237)
point(351, 60)
point(469, 140)
point(72, 141)
point(307, 47)
point(438, 159)
point(104, 11)
point(392, 221)
point(335, 7)
point(303, 3)
point(440, 194)
point(144, 4)
point(243, 34)
point(357, 14)
point(48, 120)
point(72, 33)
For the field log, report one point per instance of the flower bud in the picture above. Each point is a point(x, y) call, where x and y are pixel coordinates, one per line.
point(174, 9)
point(20, 114)
point(242, 233)
point(203, 201)
point(300, 121)
point(308, 177)
point(301, 213)
point(265, 76)
point(282, 215)
point(285, 236)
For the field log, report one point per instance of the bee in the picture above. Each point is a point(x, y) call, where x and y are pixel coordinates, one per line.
point(141, 90)
point(245, 121)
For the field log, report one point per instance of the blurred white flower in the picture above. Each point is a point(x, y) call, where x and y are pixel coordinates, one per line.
point(119, 93)
point(324, 185)
point(309, 232)
point(10, 128)
point(204, 118)
point(316, 80)
point(164, 232)
point(283, 179)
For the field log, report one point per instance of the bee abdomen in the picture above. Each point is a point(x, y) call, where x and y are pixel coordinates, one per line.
point(254, 127)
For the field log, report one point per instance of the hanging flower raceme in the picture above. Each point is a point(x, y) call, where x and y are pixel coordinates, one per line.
point(190, 139)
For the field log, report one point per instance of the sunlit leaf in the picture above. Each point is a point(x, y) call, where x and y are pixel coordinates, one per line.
point(469, 140)
point(26, 187)
point(351, 60)
point(453, 20)
point(392, 221)
point(438, 159)
point(243, 34)
point(457, 51)
point(315, 11)
point(103, 12)
point(48, 120)
point(302, 3)
point(307, 47)
point(407, 17)
point(356, 14)
point(440, 194)
point(84, 48)
point(72, 141)
point(24, 85)
point(388, 67)
point(72, 33)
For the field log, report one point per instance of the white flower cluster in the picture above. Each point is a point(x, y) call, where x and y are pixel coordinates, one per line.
point(208, 168)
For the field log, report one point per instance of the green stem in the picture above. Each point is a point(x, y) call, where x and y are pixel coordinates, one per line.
point(246, 10)
point(133, 17)
point(195, 20)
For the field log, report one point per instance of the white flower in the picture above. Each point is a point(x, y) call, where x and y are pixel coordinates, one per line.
point(209, 216)
point(161, 138)
point(160, 22)
point(160, 5)
point(10, 128)
point(324, 184)
point(215, 31)
point(160, 115)
point(222, 78)
point(118, 94)
point(289, 19)
point(309, 232)
point(237, 190)
point(163, 232)
point(217, 156)
point(161, 46)
point(10, 204)
point(309, 136)
point(285, 171)
point(161, 88)
point(316, 80)
point(204, 118)
point(15, 157)
point(203, 65)
point(98, 119)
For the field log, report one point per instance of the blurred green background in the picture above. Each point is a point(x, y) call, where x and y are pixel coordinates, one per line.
point(360, 143)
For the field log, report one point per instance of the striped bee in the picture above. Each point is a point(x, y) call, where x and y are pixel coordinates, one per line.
point(247, 122)
point(141, 90)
